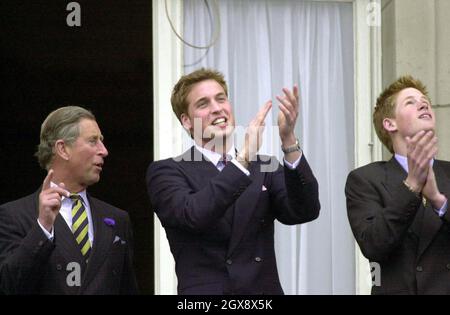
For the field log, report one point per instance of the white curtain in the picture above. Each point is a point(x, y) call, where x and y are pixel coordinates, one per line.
point(265, 45)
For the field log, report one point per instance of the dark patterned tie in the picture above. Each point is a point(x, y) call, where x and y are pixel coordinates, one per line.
point(80, 225)
point(224, 160)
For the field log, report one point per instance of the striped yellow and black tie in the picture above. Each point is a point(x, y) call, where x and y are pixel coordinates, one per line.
point(80, 225)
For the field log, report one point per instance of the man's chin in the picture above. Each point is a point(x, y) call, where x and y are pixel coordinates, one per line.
point(411, 133)
point(217, 133)
point(428, 127)
point(93, 180)
point(218, 139)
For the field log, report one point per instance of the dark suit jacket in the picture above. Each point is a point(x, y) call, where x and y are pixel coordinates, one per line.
point(393, 228)
point(32, 264)
point(220, 225)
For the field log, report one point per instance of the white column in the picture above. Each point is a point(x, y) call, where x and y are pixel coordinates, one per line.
point(167, 132)
point(367, 37)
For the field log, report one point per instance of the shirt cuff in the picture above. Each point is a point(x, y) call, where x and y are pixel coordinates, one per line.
point(50, 236)
point(239, 166)
point(294, 165)
point(443, 209)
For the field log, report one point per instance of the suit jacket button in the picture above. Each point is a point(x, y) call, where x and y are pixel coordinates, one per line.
point(448, 266)
point(58, 267)
point(258, 259)
point(114, 272)
point(41, 243)
point(229, 262)
point(419, 268)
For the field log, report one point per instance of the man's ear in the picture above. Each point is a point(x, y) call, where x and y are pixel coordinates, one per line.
point(186, 122)
point(61, 150)
point(390, 124)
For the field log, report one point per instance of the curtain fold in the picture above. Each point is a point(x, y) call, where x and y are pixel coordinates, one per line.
point(264, 46)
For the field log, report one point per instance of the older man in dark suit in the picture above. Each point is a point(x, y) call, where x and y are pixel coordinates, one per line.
point(398, 209)
point(60, 240)
point(217, 204)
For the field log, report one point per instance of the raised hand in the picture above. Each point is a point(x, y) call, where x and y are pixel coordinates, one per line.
point(287, 117)
point(253, 136)
point(421, 149)
point(50, 201)
point(431, 191)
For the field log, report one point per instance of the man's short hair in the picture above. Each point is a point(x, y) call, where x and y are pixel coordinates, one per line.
point(385, 107)
point(61, 124)
point(184, 86)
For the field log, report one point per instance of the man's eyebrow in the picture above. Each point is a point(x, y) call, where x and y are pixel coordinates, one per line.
point(205, 98)
point(201, 99)
point(97, 137)
point(423, 97)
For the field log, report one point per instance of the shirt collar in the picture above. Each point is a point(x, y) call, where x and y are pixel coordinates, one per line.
point(83, 194)
point(403, 161)
point(215, 157)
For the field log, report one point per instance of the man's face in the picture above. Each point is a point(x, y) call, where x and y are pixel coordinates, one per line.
point(86, 154)
point(413, 113)
point(209, 112)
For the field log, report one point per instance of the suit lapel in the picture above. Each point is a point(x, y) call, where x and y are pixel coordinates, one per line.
point(202, 170)
point(394, 177)
point(199, 168)
point(103, 238)
point(65, 241)
point(442, 180)
point(430, 226)
point(431, 222)
point(245, 206)
point(426, 223)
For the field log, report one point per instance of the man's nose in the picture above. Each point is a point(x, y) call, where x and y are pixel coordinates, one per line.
point(216, 106)
point(423, 105)
point(103, 151)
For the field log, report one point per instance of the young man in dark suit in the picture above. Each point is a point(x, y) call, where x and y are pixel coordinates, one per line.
point(60, 240)
point(398, 209)
point(218, 204)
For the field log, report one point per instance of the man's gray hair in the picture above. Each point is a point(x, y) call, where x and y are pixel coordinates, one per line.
point(61, 124)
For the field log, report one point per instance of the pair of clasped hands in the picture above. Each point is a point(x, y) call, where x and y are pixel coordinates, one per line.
point(421, 149)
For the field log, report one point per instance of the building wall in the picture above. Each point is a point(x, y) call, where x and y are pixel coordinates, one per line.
point(416, 41)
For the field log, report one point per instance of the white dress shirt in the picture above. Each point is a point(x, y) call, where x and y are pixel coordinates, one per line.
point(215, 158)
